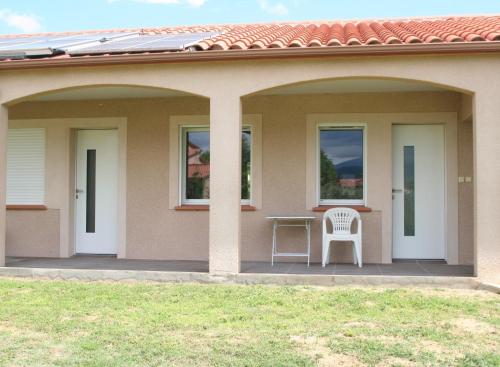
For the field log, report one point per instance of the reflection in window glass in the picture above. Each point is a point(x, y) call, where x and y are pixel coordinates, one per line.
point(409, 190)
point(197, 166)
point(246, 167)
point(341, 164)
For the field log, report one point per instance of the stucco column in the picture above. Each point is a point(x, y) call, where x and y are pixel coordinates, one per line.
point(487, 185)
point(4, 121)
point(225, 184)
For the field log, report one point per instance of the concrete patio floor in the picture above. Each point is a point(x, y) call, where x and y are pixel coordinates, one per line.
point(398, 268)
point(109, 268)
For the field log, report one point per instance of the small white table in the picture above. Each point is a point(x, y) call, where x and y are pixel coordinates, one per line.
point(291, 221)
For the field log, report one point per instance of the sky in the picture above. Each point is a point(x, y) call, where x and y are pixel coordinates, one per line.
point(342, 145)
point(32, 16)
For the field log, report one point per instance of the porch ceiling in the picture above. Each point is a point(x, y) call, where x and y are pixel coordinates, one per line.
point(107, 92)
point(358, 85)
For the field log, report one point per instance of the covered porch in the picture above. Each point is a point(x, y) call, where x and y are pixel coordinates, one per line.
point(173, 217)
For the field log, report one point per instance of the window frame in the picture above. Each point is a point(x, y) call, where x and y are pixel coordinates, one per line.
point(341, 126)
point(182, 163)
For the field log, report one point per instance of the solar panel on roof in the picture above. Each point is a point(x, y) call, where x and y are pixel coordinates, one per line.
point(18, 40)
point(146, 43)
point(53, 40)
point(50, 44)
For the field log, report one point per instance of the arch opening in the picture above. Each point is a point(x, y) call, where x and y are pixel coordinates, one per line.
point(125, 131)
point(303, 116)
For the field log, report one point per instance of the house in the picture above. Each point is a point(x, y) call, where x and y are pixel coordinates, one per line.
point(176, 143)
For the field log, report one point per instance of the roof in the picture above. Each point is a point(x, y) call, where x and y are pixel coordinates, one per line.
point(356, 33)
point(460, 33)
point(198, 170)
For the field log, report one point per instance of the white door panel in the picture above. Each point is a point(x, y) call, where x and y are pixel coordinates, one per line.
point(96, 191)
point(418, 192)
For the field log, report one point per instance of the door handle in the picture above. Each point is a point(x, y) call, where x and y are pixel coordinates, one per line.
point(396, 190)
point(78, 192)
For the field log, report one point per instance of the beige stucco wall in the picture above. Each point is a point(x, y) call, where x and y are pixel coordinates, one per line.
point(466, 193)
point(151, 229)
point(33, 233)
point(466, 188)
point(379, 111)
point(59, 188)
point(154, 230)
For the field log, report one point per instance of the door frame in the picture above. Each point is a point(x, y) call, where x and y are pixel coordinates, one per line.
point(116, 163)
point(119, 124)
point(449, 122)
point(445, 183)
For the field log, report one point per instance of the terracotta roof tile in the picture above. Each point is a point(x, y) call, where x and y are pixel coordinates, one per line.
point(336, 36)
point(421, 31)
point(385, 34)
point(403, 35)
point(359, 33)
point(319, 36)
point(368, 34)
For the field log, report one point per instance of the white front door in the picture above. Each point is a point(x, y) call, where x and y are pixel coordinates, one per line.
point(96, 192)
point(418, 191)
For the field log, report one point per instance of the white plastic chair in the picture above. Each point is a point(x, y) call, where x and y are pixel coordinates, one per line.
point(341, 220)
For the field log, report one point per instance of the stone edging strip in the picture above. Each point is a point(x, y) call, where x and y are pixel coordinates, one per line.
point(495, 288)
point(249, 278)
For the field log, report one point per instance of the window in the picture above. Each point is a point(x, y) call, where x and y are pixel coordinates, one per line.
point(196, 164)
point(26, 167)
point(341, 165)
point(246, 165)
point(195, 153)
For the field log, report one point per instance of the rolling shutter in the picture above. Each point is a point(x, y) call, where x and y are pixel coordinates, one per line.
point(26, 167)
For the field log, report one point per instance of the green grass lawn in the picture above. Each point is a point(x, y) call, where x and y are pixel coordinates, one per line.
point(66, 323)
